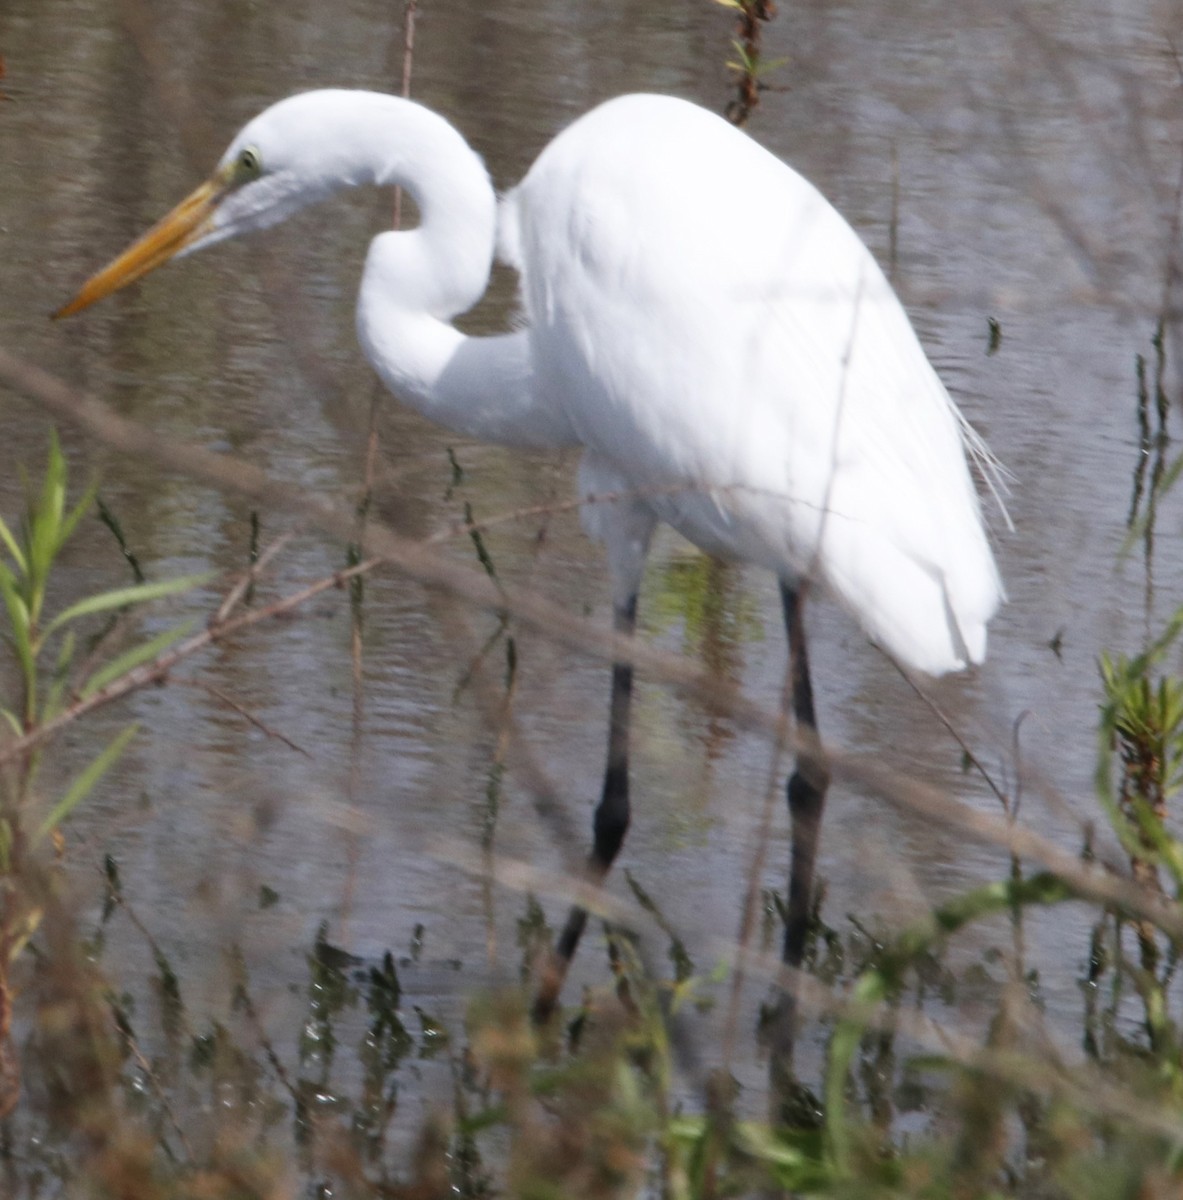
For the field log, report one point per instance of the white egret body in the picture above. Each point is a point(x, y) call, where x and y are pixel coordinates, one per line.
point(727, 348)
point(697, 317)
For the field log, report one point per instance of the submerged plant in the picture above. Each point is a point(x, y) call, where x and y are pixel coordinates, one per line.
point(1141, 730)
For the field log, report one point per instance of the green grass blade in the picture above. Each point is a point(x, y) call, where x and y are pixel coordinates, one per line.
point(84, 784)
point(133, 658)
point(121, 597)
point(59, 679)
point(70, 522)
point(19, 622)
point(9, 540)
point(869, 991)
point(45, 522)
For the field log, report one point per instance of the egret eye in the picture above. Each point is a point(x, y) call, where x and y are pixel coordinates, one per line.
point(249, 165)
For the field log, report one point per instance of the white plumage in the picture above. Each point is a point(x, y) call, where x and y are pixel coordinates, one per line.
point(721, 339)
point(698, 317)
point(701, 321)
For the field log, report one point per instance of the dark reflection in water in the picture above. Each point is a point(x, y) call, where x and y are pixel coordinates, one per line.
point(1035, 149)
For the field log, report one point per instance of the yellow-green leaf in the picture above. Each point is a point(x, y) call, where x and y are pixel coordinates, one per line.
point(132, 658)
point(76, 514)
point(61, 676)
point(19, 623)
point(84, 784)
point(121, 597)
point(9, 539)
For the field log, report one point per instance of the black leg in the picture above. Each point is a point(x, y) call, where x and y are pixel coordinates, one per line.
point(807, 785)
point(806, 795)
point(610, 823)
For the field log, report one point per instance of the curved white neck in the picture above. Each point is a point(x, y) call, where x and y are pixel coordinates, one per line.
point(443, 264)
point(415, 281)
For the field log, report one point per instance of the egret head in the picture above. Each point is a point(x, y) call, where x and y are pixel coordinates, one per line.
point(293, 154)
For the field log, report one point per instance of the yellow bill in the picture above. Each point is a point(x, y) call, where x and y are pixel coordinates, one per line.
point(186, 223)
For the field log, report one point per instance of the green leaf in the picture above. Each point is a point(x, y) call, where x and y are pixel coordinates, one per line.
point(132, 658)
point(767, 65)
point(870, 989)
point(78, 512)
point(61, 677)
point(121, 597)
point(18, 555)
point(84, 784)
point(747, 62)
point(797, 1159)
point(45, 524)
point(18, 610)
point(19, 623)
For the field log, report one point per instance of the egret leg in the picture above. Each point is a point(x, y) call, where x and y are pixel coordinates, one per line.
point(807, 784)
point(610, 823)
point(806, 795)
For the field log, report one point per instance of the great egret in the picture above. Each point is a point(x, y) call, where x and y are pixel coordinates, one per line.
point(702, 322)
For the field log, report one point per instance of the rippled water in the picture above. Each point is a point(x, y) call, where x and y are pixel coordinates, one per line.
point(1032, 154)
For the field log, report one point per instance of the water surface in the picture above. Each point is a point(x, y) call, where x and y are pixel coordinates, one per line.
point(1028, 157)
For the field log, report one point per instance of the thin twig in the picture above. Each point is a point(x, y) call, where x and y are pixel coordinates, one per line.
point(121, 902)
point(405, 91)
point(158, 670)
point(357, 664)
point(936, 710)
point(752, 13)
point(132, 1043)
point(747, 925)
point(356, 610)
point(256, 1023)
point(228, 700)
point(553, 507)
point(249, 578)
